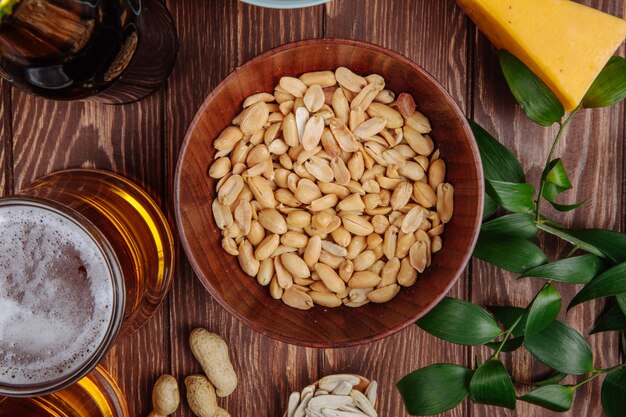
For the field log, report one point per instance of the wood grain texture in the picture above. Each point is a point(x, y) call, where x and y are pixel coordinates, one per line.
point(215, 39)
point(6, 138)
point(137, 360)
point(142, 141)
point(433, 34)
point(592, 151)
point(2, 173)
point(51, 135)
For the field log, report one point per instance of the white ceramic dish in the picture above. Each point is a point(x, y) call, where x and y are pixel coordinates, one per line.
point(285, 4)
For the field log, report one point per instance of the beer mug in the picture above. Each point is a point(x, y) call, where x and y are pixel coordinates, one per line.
point(113, 51)
point(85, 256)
point(96, 395)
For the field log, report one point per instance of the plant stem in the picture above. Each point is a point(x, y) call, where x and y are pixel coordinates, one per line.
point(591, 378)
point(573, 250)
point(598, 373)
point(519, 319)
point(550, 222)
point(562, 126)
point(571, 239)
point(506, 336)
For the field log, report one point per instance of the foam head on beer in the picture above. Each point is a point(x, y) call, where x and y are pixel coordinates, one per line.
point(56, 295)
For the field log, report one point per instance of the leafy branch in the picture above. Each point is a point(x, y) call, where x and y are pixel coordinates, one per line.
point(597, 259)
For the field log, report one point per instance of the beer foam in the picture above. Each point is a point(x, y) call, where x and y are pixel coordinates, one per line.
point(56, 295)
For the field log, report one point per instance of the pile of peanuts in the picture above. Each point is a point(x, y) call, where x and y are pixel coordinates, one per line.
point(330, 190)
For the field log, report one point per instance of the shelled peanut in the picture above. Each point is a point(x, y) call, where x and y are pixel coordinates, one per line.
point(330, 191)
point(340, 395)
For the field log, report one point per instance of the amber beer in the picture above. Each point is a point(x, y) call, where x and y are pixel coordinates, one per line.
point(85, 255)
point(96, 395)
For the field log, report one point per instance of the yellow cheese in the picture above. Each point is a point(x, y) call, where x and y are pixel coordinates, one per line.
point(565, 43)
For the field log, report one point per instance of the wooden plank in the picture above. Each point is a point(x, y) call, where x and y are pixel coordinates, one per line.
point(49, 136)
point(137, 360)
point(215, 39)
point(592, 151)
point(52, 135)
point(2, 172)
point(433, 34)
point(6, 138)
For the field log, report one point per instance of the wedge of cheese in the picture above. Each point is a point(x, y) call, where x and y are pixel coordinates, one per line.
point(565, 43)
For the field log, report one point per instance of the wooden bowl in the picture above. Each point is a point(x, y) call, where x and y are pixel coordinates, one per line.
point(361, 387)
point(241, 295)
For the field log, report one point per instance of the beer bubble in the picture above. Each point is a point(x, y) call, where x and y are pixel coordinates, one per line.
point(55, 289)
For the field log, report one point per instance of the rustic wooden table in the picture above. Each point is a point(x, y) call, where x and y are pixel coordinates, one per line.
point(141, 141)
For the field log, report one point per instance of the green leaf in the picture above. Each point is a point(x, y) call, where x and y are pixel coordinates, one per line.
point(434, 389)
point(498, 162)
point(510, 345)
point(489, 207)
point(613, 319)
point(610, 282)
point(554, 379)
point(508, 316)
point(538, 102)
point(550, 191)
point(614, 393)
point(561, 348)
point(553, 397)
point(514, 197)
point(569, 237)
point(556, 182)
point(556, 175)
point(511, 253)
point(610, 85)
point(621, 301)
point(544, 310)
point(516, 224)
point(610, 243)
point(460, 322)
point(492, 384)
point(567, 207)
point(575, 270)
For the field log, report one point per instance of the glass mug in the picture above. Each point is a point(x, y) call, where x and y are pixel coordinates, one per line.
point(96, 395)
point(112, 51)
point(85, 256)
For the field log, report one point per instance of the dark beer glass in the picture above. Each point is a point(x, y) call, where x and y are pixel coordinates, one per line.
point(112, 51)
